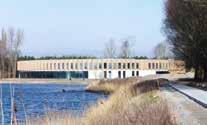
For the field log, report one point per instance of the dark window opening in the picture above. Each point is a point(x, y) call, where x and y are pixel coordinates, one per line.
point(119, 74)
point(128, 65)
point(100, 65)
point(124, 74)
point(137, 73)
point(119, 65)
point(132, 73)
point(162, 72)
point(137, 66)
point(149, 65)
point(71, 66)
point(105, 65)
point(124, 66)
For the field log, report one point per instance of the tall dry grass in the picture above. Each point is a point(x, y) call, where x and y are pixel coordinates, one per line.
point(111, 85)
point(55, 118)
point(136, 104)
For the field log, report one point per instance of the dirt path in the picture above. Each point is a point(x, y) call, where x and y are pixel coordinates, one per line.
point(186, 110)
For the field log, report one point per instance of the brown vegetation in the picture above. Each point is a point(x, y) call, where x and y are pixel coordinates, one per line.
point(110, 86)
point(133, 104)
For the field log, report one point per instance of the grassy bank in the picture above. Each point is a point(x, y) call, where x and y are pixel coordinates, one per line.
point(110, 86)
point(137, 103)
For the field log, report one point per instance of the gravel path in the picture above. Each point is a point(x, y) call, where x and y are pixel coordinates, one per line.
point(186, 110)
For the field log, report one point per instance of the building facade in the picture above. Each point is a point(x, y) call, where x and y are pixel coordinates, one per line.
point(96, 68)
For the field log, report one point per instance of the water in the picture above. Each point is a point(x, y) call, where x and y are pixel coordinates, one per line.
point(36, 99)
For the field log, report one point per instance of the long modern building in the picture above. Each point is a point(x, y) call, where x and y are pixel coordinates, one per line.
point(96, 68)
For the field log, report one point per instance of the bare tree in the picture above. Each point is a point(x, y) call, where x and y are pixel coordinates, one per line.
point(162, 51)
point(10, 44)
point(17, 44)
point(125, 49)
point(110, 49)
point(3, 49)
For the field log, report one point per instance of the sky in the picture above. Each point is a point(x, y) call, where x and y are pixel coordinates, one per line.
point(82, 27)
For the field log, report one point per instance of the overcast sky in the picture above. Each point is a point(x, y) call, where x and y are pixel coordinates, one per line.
point(81, 27)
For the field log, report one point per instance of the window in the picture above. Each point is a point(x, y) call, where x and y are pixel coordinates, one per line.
point(58, 65)
point(105, 65)
point(124, 74)
point(128, 66)
point(63, 66)
point(95, 66)
point(153, 65)
point(160, 65)
point(132, 73)
point(137, 73)
point(119, 65)
point(149, 65)
point(119, 74)
point(124, 66)
point(156, 65)
point(110, 65)
point(76, 66)
point(50, 65)
point(133, 66)
point(67, 65)
point(105, 74)
point(47, 66)
point(100, 65)
point(86, 66)
point(137, 66)
point(115, 66)
point(71, 65)
point(81, 65)
point(54, 65)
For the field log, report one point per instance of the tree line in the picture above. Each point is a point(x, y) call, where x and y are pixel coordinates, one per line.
point(186, 29)
point(10, 43)
point(25, 58)
point(22, 58)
